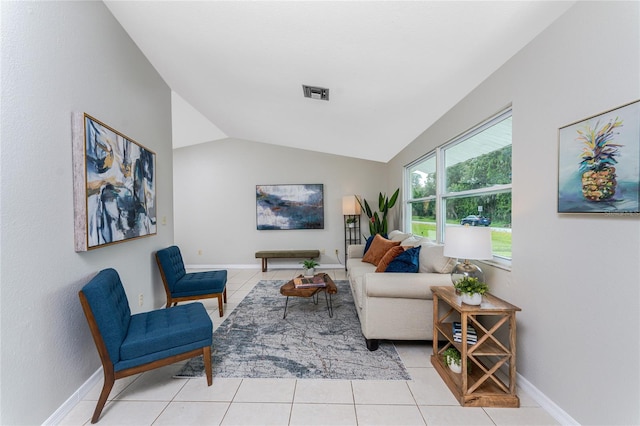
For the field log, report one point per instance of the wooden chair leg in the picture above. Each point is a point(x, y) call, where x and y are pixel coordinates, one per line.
point(224, 295)
point(206, 355)
point(109, 380)
point(220, 305)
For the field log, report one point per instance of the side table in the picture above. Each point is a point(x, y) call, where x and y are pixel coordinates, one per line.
point(478, 385)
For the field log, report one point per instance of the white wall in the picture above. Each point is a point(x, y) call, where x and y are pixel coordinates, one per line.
point(215, 201)
point(60, 57)
point(576, 277)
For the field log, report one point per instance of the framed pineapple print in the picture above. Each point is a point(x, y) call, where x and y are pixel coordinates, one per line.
point(599, 163)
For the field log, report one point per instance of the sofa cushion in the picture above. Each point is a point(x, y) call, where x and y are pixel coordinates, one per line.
point(398, 236)
point(407, 261)
point(367, 244)
point(432, 259)
point(391, 254)
point(379, 246)
point(413, 240)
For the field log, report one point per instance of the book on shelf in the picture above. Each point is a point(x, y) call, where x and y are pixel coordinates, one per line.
point(304, 282)
point(472, 335)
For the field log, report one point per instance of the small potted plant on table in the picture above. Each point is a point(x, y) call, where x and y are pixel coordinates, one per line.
point(471, 290)
point(453, 359)
point(309, 266)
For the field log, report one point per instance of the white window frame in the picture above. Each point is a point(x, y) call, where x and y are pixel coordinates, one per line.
point(441, 194)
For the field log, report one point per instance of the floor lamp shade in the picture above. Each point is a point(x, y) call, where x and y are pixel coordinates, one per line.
point(350, 205)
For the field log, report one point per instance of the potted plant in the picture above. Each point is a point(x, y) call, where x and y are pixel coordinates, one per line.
point(309, 266)
point(377, 224)
point(598, 160)
point(471, 290)
point(351, 221)
point(453, 359)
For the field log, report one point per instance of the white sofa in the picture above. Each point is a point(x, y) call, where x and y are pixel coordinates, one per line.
point(397, 306)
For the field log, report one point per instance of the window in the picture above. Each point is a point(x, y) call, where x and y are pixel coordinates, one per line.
point(422, 204)
point(467, 180)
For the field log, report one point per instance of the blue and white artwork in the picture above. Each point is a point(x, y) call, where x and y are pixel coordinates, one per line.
point(120, 186)
point(289, 206)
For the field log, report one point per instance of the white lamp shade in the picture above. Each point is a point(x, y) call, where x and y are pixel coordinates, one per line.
point(468, 242)
point(350, 205)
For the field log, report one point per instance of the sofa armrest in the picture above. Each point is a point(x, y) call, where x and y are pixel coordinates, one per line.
point(403, 285)
point(355, 251)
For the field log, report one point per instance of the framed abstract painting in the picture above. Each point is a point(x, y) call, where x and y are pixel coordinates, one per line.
point(114, 185)
point(599, 163)
point(289, 207)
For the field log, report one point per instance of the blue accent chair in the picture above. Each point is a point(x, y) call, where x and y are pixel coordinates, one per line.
point(130, 344)
point(181, 286)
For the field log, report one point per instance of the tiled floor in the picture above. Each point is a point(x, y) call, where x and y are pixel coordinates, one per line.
point(155, 398)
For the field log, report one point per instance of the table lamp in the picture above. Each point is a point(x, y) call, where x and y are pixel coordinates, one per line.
point(468, 243)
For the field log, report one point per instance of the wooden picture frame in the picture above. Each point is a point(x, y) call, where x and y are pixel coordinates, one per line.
point(113, 185)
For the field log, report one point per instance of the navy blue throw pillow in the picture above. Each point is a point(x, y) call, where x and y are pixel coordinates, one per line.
point(369, 241)
point(406, 261)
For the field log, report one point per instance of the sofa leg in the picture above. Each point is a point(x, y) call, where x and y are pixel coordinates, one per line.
point(372, 344)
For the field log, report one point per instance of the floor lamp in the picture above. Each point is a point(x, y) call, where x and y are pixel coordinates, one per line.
point(351, 212)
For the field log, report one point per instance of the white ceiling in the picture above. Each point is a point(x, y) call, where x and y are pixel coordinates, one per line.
point(393, 67)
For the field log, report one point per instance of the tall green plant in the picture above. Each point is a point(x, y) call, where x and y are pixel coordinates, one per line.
point(378, 224)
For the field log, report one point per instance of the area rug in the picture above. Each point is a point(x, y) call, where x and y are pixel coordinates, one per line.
point(256, 342)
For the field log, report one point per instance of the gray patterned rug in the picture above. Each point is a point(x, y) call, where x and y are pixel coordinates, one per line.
point(255, 342)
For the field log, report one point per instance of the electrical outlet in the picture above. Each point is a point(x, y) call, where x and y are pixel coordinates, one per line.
point(321, 251)
point(140, 299)
point(199, 252)
point(337, 251)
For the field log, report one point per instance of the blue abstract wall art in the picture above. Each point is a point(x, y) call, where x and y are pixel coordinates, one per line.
point(115, 200)
point(289, 207)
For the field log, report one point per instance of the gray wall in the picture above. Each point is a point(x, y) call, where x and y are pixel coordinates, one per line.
point(215, 202)
point(60, 57)
point(574, 276)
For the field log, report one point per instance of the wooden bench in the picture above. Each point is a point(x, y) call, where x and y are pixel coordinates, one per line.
point(265, 255)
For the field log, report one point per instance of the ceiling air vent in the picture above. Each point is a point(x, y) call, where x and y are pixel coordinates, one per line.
point(315, 92)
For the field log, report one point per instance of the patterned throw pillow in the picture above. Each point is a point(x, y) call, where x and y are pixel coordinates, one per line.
point(378, 249)
point(408, 261)
point(391, 254)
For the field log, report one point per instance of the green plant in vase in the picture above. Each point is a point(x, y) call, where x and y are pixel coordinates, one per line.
point(453, 359)
point(309, 265)
point(471, 289)
point(378, 222)
point(598, 160)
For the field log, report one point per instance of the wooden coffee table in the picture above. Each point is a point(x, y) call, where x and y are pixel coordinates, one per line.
point(289, 289)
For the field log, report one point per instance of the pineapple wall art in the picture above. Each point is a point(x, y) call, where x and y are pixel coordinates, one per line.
point(599, 163)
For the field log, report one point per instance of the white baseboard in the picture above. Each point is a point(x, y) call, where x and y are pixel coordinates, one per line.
point(62, 411)
point(545, 403)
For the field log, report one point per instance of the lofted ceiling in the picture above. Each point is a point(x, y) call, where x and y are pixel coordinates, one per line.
point(392, 67)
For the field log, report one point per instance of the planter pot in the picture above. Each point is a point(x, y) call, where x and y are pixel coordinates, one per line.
point(309, 272)
point(351, 225)
point(454, 367)
point(471, 299)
